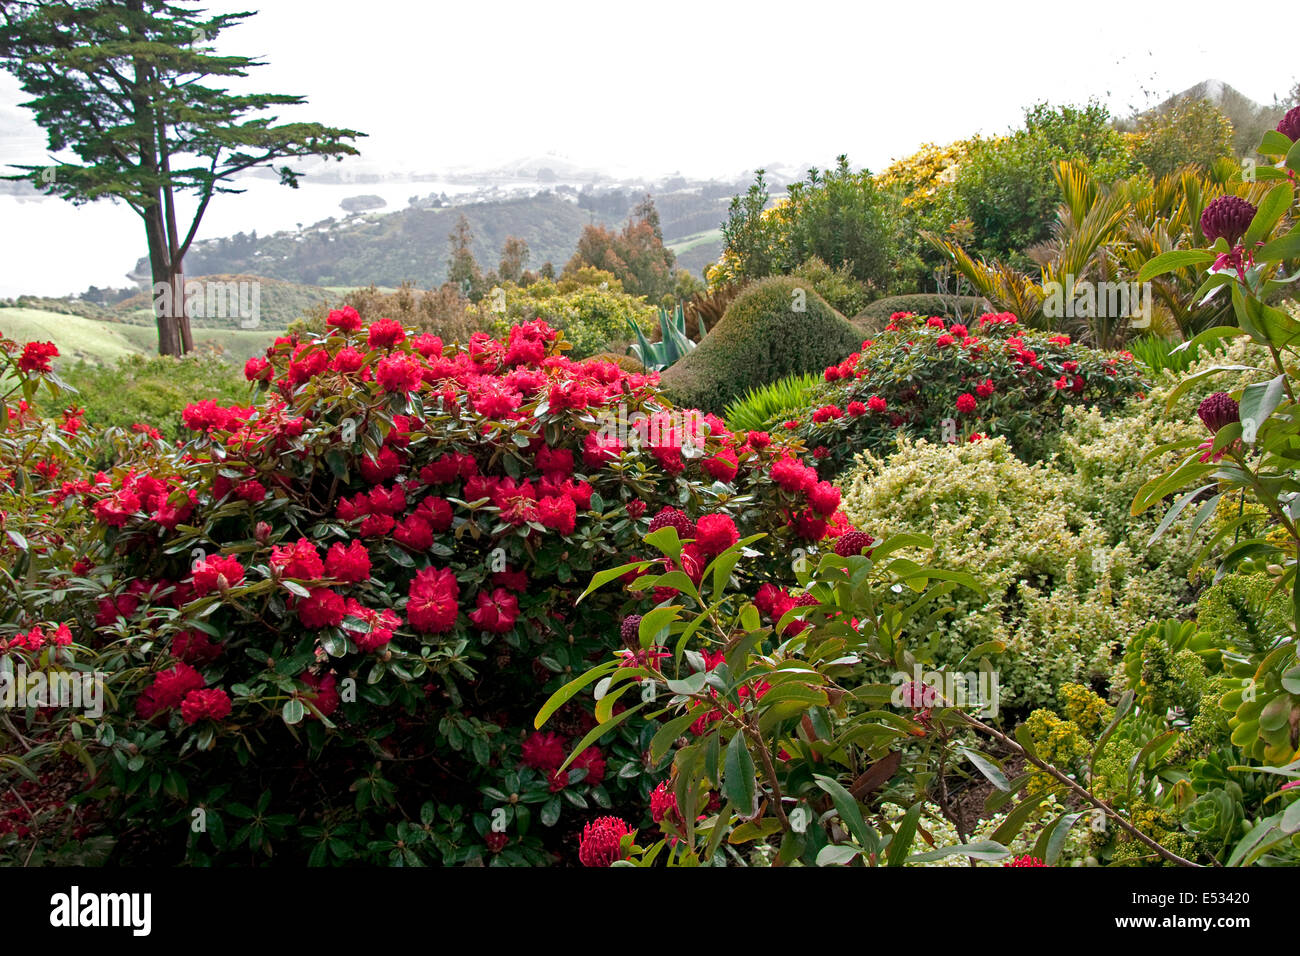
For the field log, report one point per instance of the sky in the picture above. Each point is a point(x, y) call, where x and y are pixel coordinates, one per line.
point(704, 88)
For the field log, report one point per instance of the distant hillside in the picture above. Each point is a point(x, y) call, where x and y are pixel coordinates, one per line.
point(411, 244)
point(1249, 119)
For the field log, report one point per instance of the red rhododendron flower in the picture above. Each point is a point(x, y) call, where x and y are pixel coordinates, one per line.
point(592, 761)
point(36, 357)
point(722, 466)
point(348, 360)
point(298, 560)
point(378, 629)
point(398, 373)
point(350, 563)
point(793, 475)
point(966, 403)
point(195, 647)
point(168, 689)
point(345, 319)
point(326, 699)
point(414, 532)
point(385, 333)
point(210, 704)
point(321, 608)
point(432, 605)
point(1025, 860)
point(217, 573)
point(599, 845)
point(436, 511)
point(876, 404)
point(557, 513)
point(715, 534)
point(544, 751)
point(386, 467)
point(857, 409)
point(824, 498)
point(985, 388)
point(496, 612)
point(258, 369)
point(827, 413)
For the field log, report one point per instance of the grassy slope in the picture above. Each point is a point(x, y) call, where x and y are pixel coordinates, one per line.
point(99, 343)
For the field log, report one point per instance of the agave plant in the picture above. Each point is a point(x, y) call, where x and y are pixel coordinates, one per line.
point(672, 345)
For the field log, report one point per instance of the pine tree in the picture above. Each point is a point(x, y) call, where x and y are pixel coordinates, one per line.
point(121, 84)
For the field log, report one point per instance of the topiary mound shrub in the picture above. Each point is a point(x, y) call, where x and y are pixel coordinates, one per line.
point(948, 383)
point(959, 308)
point(336, 611)
point(776, 327)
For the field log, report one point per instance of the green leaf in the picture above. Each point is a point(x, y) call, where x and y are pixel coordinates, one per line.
point(983, 850)
point(1173, 259)
point(669, 732)
point(738, 775)
point(1258, 402)
point(988, 768)
point(602, 578)
point(847, 808)
point(896, 852)
point(293, 711)
point(835, 855)
point(565, 693)
point(1018, 817)
point(1283, 247)
point(600, 731)
point(1270, 210)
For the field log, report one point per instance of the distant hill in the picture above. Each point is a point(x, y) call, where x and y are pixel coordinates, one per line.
point(1249, 119)
point(411, 244)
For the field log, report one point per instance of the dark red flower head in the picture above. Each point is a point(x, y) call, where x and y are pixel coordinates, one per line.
point(600, 839)
point(1289, 125)
point(1227, 217)
point(1218, 410)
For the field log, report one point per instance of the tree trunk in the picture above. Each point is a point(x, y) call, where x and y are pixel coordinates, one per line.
point(163, 292)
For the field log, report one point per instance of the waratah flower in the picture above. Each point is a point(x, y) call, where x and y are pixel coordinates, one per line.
point(1289, 125)
point(599, 845)
point(852, 543)
point(1025, 860)
point(663, 805)
point(630, 630)
point(1218, 411)
point(672, 518)
point(1227, 217)
point(210, 704)
point(715, 534)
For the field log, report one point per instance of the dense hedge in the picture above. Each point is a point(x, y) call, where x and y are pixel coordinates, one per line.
point(760, 339)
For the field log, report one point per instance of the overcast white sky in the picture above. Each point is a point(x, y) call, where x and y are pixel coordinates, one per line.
point(709, 87)
point(700, 87)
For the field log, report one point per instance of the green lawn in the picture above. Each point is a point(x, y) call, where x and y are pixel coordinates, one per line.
point(100, 343)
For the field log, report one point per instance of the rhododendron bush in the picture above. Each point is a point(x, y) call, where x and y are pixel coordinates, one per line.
point(345, 599)
point(951, 382)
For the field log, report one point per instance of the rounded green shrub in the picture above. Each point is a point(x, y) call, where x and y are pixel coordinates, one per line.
point(777, 327)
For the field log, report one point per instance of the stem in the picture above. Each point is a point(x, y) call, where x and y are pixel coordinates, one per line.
point(769, 771)
point(1079, 791)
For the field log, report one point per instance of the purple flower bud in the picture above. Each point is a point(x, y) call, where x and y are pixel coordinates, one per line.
point(1289, 125)
point(1227, 217)
point(1218, 410)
